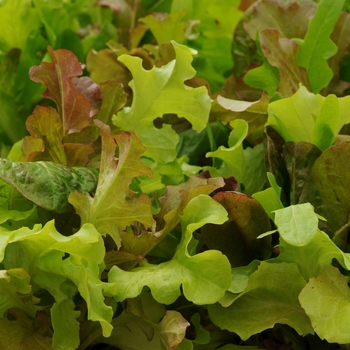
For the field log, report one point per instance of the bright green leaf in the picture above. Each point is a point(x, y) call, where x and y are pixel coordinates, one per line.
point(326, 300)
point(270, 198)
point(18, 19)
point(160, 91)
point(204, 277)
point(297, 224)
point(63, 265)
point(309, 262)
point(326, 123)
point(317, 46)
point(245, 165)
point(266, 77)
point(296, 114)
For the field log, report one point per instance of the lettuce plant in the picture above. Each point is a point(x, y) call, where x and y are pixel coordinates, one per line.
point(158, 191)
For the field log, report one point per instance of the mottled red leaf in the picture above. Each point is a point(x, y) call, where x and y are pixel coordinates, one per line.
point(73, 107)
point(237, 238)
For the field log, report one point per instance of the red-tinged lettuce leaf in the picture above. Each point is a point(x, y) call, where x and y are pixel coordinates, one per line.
point(299, 158)
point(161, 91)
point(340, 37)
point(114, 98)
point(23, 333)
point(91, 91)
point(317, 47)
point(114, 205)
point(281, 53)
point(327, 188)
point(45, 123)
point(48, 142)
point(104, 65)
point(73, 107)
point(267, 14)
point(237, 238)
point(77, 100)
point(270, 297)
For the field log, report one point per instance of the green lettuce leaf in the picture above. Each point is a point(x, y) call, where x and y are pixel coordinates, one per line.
point(265, 77)
point(246, 165)
point(9, 64)
point(139, 326)
point(301, 239)
point(254, 113)
point(218, 20)
point(270, 198)
point(114, 205)
point(18, 20)
point(297, 224)
point(62, 266)
point(308, 117)
point(204, 277)
point(159, 91)
point(325, 300)
point(172, 205)
point(265, 302)
point(317, 47)
point(23, 333)
point(167, 27)
point(16, 292)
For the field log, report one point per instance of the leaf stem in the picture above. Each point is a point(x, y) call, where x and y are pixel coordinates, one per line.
point(212, 144)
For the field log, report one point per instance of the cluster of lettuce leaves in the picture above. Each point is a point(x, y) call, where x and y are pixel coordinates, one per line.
point(185, 188)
